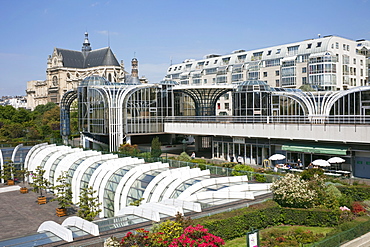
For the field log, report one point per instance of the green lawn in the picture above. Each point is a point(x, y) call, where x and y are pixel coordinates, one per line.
point(240, 242)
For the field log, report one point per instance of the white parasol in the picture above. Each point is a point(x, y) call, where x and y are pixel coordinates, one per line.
point(336, 160)
point(277, 157)
point(320, 162)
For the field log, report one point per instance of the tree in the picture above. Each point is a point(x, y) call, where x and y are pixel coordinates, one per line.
point(128, 149)
point(63, 191)
point(7, 171)
point(89, 205)
point(22, 174)
point(39, 182)
point(156, 147)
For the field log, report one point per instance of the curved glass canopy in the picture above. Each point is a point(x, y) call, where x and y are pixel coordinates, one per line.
point(95, 81)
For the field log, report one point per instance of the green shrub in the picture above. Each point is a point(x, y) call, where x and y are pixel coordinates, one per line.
point(309, 173)
point(355, 192)
point(230, 225)
point(311, 217)
point(199, 161)
point(229, 164)
point(184, 157)
point(202, 167)
point(240, 170)
point(260, 178)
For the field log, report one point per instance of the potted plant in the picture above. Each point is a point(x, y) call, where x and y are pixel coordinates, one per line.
point(22, 173)
point(7, 173)
point(39, 184)
point(63, 194)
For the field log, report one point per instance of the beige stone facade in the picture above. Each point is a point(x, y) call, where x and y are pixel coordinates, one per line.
point(66, 68)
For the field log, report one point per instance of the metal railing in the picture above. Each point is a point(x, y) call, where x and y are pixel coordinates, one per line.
point(293, 119)
point(346, 236)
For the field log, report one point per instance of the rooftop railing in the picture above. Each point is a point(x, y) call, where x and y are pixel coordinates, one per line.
point(291, 119)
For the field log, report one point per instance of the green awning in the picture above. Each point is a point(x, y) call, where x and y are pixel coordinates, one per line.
point(315, 150)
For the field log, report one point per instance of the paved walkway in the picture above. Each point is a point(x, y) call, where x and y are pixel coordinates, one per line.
point(20, 215)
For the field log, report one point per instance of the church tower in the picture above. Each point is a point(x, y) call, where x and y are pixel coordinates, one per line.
point(134, 68)
point(86, 44)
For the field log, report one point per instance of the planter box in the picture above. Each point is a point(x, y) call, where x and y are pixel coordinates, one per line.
point(23, 190)
point(41, 200)
point(10, 182)
point(61, 212)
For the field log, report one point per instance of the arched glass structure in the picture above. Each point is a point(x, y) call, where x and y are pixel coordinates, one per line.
point(121, 181)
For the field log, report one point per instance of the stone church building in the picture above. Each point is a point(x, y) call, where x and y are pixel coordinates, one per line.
point(66, 68)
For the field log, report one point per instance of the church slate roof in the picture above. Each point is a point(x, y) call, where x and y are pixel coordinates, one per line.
point(88, 59)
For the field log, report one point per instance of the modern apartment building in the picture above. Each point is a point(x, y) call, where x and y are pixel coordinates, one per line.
point(326, 63)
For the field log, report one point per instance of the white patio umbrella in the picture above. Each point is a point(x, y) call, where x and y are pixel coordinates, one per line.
point(277, 157)
point(336, 160)
point(320, 162)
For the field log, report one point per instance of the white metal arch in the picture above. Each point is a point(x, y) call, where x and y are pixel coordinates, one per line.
point(220, 195)
point(62, 152)
point(191, 206)
point(141, 212)
point(15, 151)
point(120, 196)
point(31, 152)
point(106, 172)
point(68, 161)
point(155, 183)
point(78, 174)
point(163, 185)
point(60, 231)
point(210, 182)
point(340, 94)
point(170, 210)
point(85, 225)
point(193, 173)
point(38, 155)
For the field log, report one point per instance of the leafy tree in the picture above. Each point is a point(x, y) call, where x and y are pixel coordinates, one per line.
point(41, 109)
point(7, 112)
point(156, 147)
point(7, 171)
point(39, 182)
point(63, 191)
point(22, 174)
point(88, 205)
point(128, 149)
point(12, 130)
point(21, 116)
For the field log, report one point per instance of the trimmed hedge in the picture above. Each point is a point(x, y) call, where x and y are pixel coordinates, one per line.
point(310, 217)
point(233, 226)
point(356, 192)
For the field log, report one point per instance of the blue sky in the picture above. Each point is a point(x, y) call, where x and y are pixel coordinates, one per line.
point(159, 31)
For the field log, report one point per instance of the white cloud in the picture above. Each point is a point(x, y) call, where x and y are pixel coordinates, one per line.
point(94, 4)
